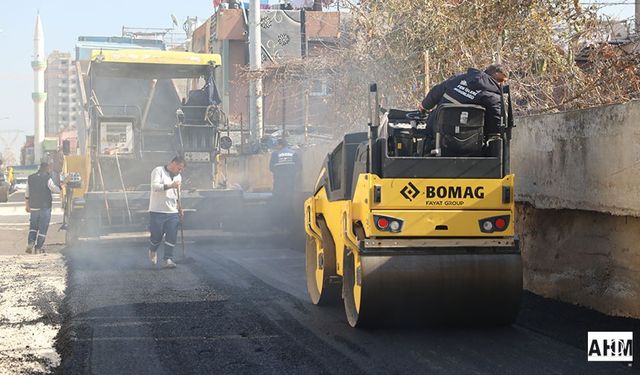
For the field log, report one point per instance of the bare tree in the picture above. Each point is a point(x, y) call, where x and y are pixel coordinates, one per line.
point(553, 49)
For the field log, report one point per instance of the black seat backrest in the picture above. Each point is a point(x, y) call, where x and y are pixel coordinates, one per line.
point(195, 108)
point(198, 98)
point(461, 129)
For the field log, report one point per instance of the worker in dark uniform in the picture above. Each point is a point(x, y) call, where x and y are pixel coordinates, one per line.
point(38, 202)
point(473, 87)
point(284, 167)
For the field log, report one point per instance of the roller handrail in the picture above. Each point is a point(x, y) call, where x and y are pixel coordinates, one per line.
point(312, 228)
point(347, 228)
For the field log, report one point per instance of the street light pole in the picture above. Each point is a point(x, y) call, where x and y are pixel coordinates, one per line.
point(255, 85)
point(637, 17)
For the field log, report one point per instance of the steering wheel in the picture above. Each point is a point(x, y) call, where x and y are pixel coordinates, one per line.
point(415, 115)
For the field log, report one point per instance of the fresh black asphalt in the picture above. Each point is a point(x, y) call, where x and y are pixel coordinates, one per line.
point(242, 308)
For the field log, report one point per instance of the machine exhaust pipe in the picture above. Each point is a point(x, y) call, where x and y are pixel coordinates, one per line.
point(374, 121)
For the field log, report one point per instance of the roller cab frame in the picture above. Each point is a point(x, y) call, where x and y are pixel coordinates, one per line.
point(401, 226)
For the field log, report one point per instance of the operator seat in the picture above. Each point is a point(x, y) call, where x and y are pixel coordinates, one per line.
point(406, 133)
point(195, 108)
point(459, 130)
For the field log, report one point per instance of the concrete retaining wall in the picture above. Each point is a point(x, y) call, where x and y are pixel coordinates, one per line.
point(588, 258)
point(578, 184)
point(586, 160)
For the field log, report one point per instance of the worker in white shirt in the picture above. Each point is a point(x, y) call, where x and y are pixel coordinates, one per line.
point(38, 202)
point(164, 213)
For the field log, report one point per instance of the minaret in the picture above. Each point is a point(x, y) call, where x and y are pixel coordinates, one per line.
point(39, 97)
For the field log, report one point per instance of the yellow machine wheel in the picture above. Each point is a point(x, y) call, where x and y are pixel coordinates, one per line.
point(321, 269)
point(352, 289)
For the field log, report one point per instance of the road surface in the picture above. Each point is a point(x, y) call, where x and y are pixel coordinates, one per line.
point(243, 308)
point(31, 291)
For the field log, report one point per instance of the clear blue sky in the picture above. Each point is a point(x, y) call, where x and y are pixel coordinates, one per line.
point(64, 21)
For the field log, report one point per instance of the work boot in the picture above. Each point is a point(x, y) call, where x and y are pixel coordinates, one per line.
point(168, 263)
point(153, 257)
point(29, 249)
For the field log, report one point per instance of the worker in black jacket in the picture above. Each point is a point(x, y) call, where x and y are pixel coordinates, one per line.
point(284, 167)
point(38, 202)
point(472, 87)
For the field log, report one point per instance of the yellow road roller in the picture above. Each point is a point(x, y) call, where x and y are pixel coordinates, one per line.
point(414, 219)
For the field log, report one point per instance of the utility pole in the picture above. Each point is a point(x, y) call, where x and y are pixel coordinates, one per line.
point(637, 17)
point(189, 26)
point(255, 62)
point(284, 112)
point(305, 106)
point(427, 72)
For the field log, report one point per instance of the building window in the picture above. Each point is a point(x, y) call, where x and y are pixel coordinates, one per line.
point(320, 87)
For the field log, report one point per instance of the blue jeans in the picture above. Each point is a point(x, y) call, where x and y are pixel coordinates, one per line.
point(38, 226)
point(163, 224)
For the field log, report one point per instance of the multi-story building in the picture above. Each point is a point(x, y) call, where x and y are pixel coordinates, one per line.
point(63, 107)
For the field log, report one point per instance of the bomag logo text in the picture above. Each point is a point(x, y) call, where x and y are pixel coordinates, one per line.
point(453, 192)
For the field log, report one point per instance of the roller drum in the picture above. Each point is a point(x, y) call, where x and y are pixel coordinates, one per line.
point(478, 288)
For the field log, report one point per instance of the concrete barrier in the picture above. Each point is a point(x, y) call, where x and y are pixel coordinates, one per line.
point(586, 160)
point(578, 185)
point(582, 257)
